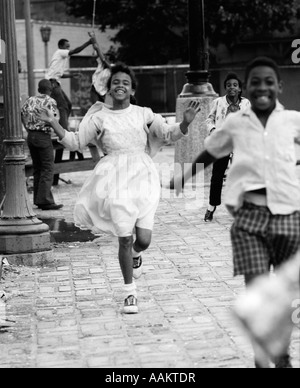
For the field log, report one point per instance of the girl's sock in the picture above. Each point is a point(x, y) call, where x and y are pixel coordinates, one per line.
point(135, 254)
point(211, 208)
point(130, 289)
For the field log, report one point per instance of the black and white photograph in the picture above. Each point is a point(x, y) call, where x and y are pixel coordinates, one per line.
point(150, 187)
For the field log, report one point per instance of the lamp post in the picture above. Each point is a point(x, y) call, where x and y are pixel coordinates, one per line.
point(29, 48)
point(197, 88)
point(46, 33)
point(24, 239)
point(198, 75)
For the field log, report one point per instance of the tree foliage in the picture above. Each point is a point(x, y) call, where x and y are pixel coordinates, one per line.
point(156, 31)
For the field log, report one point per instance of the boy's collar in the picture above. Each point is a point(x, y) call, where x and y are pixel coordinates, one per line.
point(239, 100)
point(278, 108)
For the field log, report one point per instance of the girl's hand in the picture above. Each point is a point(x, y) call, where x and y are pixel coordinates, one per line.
point(92, 38)
point(45, 115)
point(192, 110)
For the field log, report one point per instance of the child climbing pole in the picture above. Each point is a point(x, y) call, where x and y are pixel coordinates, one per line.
point(103, 71)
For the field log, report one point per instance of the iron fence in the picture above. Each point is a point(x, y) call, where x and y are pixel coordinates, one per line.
point(159, 86)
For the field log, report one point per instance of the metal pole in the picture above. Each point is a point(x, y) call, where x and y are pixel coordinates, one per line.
point(46, 55)
point(197, 89)
point(20, 231)
point(46, 33)
point(29, 48)
point(198, 56)
point(198, 75)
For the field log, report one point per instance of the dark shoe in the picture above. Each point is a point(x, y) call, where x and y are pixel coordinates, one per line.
point(137, 267)
point(284, 362)
point(53, 206)
point(209, 216)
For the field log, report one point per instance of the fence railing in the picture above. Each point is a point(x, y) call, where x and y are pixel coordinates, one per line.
point(159, 86)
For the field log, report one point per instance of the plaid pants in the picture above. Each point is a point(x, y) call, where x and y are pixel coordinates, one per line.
point(261, 240)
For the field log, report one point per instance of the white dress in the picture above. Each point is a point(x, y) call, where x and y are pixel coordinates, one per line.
point(123, 191)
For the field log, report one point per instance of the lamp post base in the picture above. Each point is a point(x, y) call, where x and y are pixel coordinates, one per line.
point(25, 236)
point(188, 148)
point(198, 85)
point(38, 259)
point(203, 89)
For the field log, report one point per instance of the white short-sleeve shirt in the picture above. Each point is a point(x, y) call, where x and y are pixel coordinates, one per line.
point(58, 65)
point(263, 157)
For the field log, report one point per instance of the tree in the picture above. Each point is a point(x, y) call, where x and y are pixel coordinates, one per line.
point(156, 31)
point(238, 20)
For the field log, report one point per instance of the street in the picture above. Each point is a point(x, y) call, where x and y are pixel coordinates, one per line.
point(69, 314)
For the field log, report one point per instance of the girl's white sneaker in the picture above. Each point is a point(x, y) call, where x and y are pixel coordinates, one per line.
point(130, 305)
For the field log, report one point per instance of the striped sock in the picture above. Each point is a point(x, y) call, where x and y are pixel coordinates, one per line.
point(135, 254)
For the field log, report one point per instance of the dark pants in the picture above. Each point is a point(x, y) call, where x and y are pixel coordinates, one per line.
point(64, 106)
point(41, 151)
point(218, 173)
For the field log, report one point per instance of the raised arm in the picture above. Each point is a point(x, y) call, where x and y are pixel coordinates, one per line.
point(100, 55)
point(161, 130)
point(81, 48)
point(189, 115)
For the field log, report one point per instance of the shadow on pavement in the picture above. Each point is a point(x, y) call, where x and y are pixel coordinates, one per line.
point(62, 231)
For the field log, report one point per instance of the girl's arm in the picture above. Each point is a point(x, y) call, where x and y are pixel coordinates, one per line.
point(101, 56)
point(73, 141)
point(161, 130)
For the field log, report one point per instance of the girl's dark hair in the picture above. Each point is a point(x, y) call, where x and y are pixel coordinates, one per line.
point(262, 61)
point(133, 100)
point(122, 68)
point(233, 76)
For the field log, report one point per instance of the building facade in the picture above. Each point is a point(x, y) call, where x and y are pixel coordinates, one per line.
point(50, 10)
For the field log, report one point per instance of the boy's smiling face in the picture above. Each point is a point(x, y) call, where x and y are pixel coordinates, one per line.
point(233, 88)
point(263, 88)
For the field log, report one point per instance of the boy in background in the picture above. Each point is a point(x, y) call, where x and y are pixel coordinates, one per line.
point(230, 103)
point(40, 145)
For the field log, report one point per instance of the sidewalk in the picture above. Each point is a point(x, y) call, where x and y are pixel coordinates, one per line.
point(69, 314)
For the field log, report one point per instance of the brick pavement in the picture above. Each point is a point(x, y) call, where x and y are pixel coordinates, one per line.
point(69, 314)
